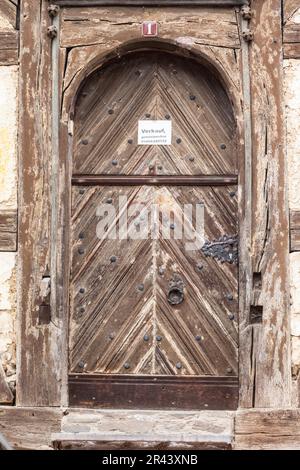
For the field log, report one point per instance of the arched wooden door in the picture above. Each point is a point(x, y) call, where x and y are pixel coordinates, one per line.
point(153, 323)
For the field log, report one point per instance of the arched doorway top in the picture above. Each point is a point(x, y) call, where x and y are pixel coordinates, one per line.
point(154, 85)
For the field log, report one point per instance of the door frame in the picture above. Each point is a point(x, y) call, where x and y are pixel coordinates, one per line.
point(82, 388)
point(265, 373)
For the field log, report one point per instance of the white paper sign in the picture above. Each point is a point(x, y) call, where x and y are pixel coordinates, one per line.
point(155, 133)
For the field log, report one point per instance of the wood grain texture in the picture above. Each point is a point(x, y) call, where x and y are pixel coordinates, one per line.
point(8, 230)
point(291, 30)
point(294, 231)
point(8, 10)
point(130, 313)
point(84, 3)
point(158, 87)
point(29, 428)
point(267, 430)
point(38, 373)
point(87, 26)
point(291, 51)
point(291, 33)
point(270, 369)
point(9, 47)
point(289, 8)
point(156, 180)
point(153, 392)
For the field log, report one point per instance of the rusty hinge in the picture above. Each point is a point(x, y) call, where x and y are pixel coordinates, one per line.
point(225, 249)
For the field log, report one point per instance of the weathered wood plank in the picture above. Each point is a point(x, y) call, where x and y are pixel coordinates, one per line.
point(9, 47)
point(295, 231)
point(29, 428)
point(291, 33)
point(270, 369)
point(84, 3)
point(289, 8)
point(38, 376)
point(291, 51)
point(90, 26)
point(8, 10)
point(267, 429)
point(8, 230)
point(6, 396)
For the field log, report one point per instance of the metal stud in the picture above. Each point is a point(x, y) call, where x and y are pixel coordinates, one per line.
point(229, 297)
point(161, 270)
point(113, 259)
point(158, 338)
point(81, 364)
point(84, 141)
point(109, 200)
point(146, 337)
point(192, 97)
point(172, 226)
point(178, 365)
point(198, 338)
point(151, 167)
point(178, 141)
point(81, 236)
point(81, 251)
point(82, 290)
point(167, 116)
point(141, 287)
point(232, 193)
point(114, 162)
point(82, 310)
point(81, 191)
point(229, 370)
point(231, 316)
point(137, 73)
point(126, 365)
point(148, 115)
point(223, 146)
point(111, 335)
point(191, 158)
point(110, 111)
point(160, 167)
point(130, 141)
point(199, 267)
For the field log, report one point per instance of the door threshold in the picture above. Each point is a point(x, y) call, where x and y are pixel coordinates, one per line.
point(145, 429)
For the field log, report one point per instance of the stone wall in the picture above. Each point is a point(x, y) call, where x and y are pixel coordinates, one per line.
point(8, 204)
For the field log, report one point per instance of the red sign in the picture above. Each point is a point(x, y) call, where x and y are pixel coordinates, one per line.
point(150, 28)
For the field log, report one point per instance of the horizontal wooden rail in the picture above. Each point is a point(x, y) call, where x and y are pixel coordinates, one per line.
point(87, 3)
point(174, 180)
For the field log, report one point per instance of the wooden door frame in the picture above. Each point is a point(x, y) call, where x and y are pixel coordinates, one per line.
point(265, 372)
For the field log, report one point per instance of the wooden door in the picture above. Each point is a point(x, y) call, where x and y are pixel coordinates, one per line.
point(153, 322)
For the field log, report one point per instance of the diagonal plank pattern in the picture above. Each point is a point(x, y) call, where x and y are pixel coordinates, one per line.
point(121, 320)
point(154, 86)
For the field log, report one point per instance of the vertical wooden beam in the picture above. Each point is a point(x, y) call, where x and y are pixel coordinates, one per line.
point(38, 364)
point(245, 223)
point(270, 362)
